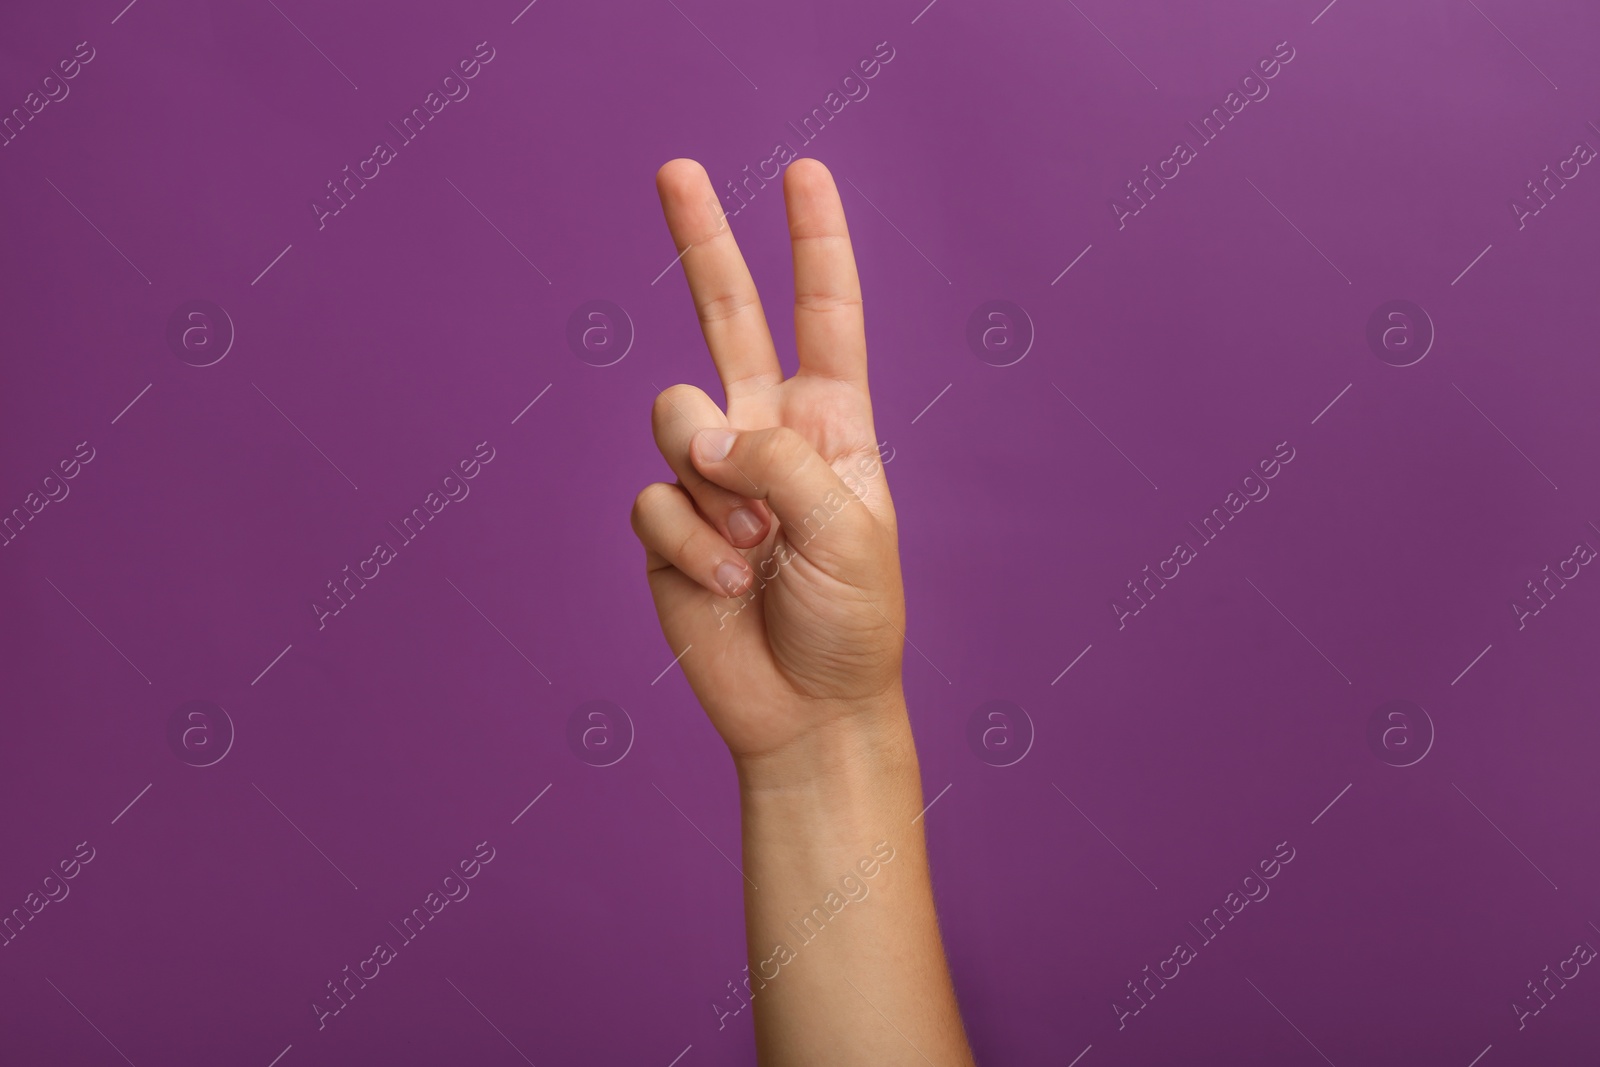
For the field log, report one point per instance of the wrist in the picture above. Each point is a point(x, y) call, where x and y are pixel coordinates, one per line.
point(851, 767)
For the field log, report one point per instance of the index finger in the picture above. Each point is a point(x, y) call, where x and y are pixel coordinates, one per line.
point(724, 294)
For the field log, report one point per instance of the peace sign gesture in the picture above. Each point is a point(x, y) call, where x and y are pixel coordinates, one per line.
point(773, 557)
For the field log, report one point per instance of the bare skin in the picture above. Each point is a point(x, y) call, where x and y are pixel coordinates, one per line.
point(775, 556)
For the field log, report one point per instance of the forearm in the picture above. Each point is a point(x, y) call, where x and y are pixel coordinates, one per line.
point(846, 966)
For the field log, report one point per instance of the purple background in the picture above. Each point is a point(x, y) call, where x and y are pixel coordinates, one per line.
point(410, 328)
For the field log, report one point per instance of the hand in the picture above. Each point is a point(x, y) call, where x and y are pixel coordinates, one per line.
point(773, 559)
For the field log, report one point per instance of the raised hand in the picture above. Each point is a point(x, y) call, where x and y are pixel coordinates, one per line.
point(776, 575)
point(773, 558)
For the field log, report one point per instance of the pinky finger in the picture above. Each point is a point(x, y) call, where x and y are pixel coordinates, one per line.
point(675, 534)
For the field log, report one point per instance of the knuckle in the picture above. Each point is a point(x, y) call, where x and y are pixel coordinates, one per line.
point(684, 544)
point(825, 303)
point(723, 306)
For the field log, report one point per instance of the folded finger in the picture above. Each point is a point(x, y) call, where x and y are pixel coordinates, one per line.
point(678, 414)
point(674, 534)
point(779, 466)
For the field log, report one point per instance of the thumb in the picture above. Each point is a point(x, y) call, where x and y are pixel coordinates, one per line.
point(779, 466)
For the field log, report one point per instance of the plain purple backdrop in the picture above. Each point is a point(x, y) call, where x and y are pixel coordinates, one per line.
point(1176, 352)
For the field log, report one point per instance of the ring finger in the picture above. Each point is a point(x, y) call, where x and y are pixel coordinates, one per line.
point(679, 413)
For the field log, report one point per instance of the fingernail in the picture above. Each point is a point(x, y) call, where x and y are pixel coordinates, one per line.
point(743, 524)
point(731, 577)
point(715, 444)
